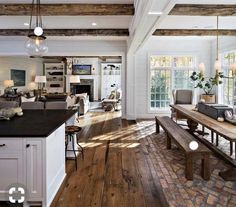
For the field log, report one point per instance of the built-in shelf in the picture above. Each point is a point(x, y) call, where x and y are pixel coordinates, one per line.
point(55, 73)
point(110, 75)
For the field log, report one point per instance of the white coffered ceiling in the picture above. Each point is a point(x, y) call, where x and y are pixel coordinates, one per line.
point(69, 22)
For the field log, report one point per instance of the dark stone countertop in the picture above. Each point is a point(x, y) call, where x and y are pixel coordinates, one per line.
point(35, 123)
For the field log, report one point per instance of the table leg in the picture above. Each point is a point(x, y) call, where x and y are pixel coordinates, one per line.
point(217, 140)
point(212, 137)
point(231, 147)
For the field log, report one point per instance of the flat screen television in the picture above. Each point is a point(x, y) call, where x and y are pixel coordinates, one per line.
point(82, 70)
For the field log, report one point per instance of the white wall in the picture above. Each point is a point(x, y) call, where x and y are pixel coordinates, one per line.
point(200, 48)
point(31, 66)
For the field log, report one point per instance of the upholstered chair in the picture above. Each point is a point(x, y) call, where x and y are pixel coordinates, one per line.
point(181, 96)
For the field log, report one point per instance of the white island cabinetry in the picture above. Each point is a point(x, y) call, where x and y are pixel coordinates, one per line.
point(36, 163)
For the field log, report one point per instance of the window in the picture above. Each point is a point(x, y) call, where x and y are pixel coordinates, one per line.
point(228, 84)
point(167, 73)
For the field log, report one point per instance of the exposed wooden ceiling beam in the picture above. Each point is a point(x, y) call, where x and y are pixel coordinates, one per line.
point(68, 9)
point(68, 32)
point(191, 32)
point(203, 10)
point(103, 58)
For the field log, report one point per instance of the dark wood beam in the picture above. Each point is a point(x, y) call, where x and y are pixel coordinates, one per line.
point(103, 58)
point(68, 32)
point(191, 32)
point(68, 9)
point(203, 10)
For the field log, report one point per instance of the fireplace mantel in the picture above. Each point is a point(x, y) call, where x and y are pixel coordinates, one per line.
point(95, 88)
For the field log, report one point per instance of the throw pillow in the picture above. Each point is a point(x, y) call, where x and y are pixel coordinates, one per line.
point(24, 99)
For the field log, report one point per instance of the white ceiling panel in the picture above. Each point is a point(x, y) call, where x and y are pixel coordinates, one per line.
point(197, 22)
point(68, 22)
point(69, 1)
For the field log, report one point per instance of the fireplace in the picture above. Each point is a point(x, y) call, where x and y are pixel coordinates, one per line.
point(86, 86)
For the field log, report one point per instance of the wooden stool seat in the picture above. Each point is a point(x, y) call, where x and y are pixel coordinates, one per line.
point(73, 129)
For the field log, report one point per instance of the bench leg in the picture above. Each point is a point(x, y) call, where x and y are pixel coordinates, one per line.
point(231, 148)
point(157, 127)
point(206, 169)
point(189, 168)
point(168, 142)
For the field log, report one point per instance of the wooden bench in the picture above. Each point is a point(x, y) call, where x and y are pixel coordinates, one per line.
point(182, 138)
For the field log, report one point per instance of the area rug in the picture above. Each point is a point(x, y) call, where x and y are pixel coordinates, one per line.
point(178, 190)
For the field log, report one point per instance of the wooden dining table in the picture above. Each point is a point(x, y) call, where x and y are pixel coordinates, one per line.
point(224, 129)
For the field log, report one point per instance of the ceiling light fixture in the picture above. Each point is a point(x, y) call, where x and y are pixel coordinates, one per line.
point(26, 24)
point(36, 44)
point(155, 13)
point(94, 24)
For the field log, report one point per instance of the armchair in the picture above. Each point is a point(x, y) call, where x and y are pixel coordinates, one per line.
point(112, 101)
point(181, 96)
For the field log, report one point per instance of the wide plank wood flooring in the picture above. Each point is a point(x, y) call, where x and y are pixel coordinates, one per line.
point(117, 170)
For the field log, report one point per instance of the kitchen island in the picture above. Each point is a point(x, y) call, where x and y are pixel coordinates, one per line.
point(32, 154)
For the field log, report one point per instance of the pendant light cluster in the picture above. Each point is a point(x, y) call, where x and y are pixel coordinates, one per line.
point(36, 45)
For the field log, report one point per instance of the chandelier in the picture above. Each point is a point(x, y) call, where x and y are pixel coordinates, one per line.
point(36, 44)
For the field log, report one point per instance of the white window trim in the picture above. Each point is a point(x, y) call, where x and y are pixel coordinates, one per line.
point(164, 110)
point(220, 90)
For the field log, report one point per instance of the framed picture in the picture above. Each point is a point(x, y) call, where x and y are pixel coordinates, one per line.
point(82, 70)
point(18, 76)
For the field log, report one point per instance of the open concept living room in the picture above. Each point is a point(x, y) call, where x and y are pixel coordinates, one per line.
point(118, 103)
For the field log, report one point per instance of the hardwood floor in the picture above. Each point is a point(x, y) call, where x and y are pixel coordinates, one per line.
point(117, 169)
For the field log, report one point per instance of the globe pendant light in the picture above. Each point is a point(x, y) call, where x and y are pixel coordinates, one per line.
point(36, 45)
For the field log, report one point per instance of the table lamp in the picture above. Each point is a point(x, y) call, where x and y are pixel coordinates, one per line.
point(40, 80)
point(8, 84)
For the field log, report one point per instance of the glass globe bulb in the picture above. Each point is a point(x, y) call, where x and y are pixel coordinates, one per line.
point(36, 46)
point(193, 145)
point(38, 31)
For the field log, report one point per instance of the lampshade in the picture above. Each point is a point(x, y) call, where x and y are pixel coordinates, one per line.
point(201, 67)
point(74, 79)
point(8, 83)
point(40, 79)
point(217, 65)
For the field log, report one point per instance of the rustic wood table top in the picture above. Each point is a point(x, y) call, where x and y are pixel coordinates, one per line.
point(224, 129)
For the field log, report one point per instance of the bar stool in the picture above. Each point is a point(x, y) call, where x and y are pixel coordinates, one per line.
point(70, 132)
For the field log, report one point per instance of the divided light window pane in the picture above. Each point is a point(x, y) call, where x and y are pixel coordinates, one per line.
point(168, 73)
point(229, 85)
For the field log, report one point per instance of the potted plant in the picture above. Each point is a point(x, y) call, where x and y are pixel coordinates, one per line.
point(207, 84)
